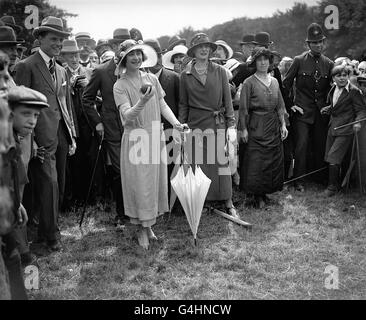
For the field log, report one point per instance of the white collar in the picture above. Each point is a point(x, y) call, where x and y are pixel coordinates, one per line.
point(74, 71)
point(346, 87)
point(45, 57)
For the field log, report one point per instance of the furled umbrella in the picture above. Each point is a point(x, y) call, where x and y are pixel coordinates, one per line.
point(191, 189)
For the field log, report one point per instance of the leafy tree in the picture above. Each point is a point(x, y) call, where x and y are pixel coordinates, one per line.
point(16, 9)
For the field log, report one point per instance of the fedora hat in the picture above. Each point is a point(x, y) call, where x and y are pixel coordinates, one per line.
point(247, 39)
point(229, 51)
point(262, 39)
point(120, 35)
point(8, 37)
point(84, 39)
point(129, 45)
point(174, 41)
point(27, 97)
point(101, 43)
point(168, 57)
point(70, 46)
point(10, 22)
point(51, 24)
point(315, 33)
point(155, 44)
point(199, 39)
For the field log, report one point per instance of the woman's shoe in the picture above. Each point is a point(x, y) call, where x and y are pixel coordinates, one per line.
point(232, 211)
point(151, 235)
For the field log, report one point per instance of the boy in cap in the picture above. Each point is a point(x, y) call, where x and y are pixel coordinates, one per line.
point(25, 105)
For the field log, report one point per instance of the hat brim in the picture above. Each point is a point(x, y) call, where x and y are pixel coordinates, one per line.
point(149, 52)
point(176, 43)
point(191, 50)
point(12, 42)
point(35, 104)
point(18, 29)
point(40, 29)
point(316, 40)
point(89, 42)
point(113, 41)
point(262, 44)
point(230, 51)
point(246, 42)
point(71, 51)
point(167, 57)
point(260, 53)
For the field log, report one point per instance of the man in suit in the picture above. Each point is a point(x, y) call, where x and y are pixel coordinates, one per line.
point(55, 129)
point(107, 122)
point(79, 165)
point(169, 81)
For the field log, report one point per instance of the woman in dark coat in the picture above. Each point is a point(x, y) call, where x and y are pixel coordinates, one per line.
point(206, 106)
point(261, 117)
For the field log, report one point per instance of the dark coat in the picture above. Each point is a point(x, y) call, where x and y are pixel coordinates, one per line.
point(103, 79)
point(313, 82)
point(33, 73)
point(169, 81)
point(349, 107)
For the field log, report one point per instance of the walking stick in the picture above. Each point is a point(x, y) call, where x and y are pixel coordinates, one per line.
point(350, 168)
point(359, 163)
point(91, 181)
point(305, 175)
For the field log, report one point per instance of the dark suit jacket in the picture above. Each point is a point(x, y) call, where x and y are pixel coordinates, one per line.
point(103, 79)
point(33, 73)
point(169, 81)
point(349, 107)
point(76, 96)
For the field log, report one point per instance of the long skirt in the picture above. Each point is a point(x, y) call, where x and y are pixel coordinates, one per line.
point(208, 151)
point(263, 169)
point(144, 178)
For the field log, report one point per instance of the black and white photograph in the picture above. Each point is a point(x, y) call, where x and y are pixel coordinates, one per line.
point(183, 155)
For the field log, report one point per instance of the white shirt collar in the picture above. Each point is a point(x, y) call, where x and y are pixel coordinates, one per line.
point(159, 73)
point(45, 57)
point(346, 87)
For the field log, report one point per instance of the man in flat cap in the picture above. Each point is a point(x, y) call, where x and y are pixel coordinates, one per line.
point(25, 105)
point(55, 129)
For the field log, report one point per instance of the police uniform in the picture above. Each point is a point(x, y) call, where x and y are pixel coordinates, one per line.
point(313, 81)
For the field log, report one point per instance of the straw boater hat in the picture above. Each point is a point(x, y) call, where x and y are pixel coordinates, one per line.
point(168, 57)
point(227, 48)
point(10, 22)
point(150, 58)
point(198, 39)
point(84, 39)
point(232, 64)
point(70, 46)
point(8, 37)
point(120, 35)
point(315, 33)
point(51, 24)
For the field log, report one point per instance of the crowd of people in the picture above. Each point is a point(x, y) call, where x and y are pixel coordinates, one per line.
point(72, 111)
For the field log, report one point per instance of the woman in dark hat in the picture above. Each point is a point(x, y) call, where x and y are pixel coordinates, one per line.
point(140, 100)
point(262, 119)
point(206, 106)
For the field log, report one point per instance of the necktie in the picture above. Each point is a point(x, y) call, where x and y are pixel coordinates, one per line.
point(51, 67)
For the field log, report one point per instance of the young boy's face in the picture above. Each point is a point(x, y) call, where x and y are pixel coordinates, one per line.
point(341, 79)
point(24, 119)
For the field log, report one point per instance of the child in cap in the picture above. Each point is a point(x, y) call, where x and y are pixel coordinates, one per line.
point(345, 105)
point(25, 105)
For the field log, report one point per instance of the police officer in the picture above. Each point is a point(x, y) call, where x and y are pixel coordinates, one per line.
point(312, 71)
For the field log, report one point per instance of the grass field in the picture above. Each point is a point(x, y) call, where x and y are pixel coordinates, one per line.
point(284, 256)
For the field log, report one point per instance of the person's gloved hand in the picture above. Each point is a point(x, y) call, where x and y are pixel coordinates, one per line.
point(231, 135)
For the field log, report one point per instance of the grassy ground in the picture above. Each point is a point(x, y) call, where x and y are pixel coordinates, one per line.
point(284, 256)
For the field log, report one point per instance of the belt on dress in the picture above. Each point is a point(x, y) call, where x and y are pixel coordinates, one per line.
point(219, 115)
